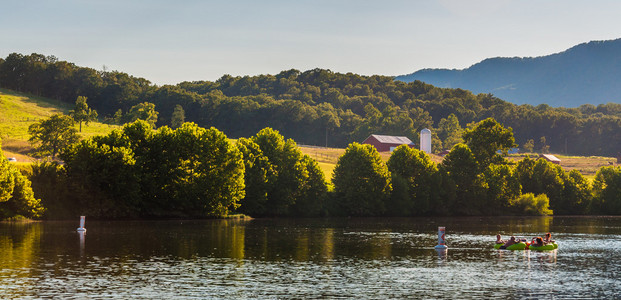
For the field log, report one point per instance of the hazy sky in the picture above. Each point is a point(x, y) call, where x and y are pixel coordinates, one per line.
point(168, 42)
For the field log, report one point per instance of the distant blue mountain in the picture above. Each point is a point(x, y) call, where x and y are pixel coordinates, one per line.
point(586, 73)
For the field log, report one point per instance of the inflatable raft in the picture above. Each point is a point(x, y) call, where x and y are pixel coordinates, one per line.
point(524, 246)
point(516, 246)
point(545, 247)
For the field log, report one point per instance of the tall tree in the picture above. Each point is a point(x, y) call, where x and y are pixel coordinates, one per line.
point(486, 138)
point(577, 194)
point(420, 174)
point(449, 131)
point(291, 182)
point(53, 134)
point(258, 176)
point(82, 113)
point(503, 188)
point(314, 190)
point(529, 146)
point(207, 172)
point(543, 177)
point(462, 169)
point(545, 148)
point(607, 190)
point(178, 117)
point(143, 111)
point(361, 181)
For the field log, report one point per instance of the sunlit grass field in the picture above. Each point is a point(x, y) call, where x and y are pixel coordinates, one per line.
point(586, 165)
point(18, 111)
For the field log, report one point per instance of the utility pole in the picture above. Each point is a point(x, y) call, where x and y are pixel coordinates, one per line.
point(326, 136)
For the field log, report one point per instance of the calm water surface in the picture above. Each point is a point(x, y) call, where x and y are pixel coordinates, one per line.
point(309, 258)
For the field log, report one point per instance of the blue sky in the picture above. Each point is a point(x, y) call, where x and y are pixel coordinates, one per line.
point(172, 41)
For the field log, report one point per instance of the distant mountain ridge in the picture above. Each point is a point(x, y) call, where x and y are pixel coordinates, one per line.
point(589, 73)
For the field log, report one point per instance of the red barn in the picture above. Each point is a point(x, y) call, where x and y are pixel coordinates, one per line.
point(387, 142)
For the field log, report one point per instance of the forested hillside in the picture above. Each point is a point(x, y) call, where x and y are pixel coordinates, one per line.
point(318, 106)
point(586, 73)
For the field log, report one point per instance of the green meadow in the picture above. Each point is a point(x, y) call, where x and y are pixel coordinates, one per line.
point(18, 111)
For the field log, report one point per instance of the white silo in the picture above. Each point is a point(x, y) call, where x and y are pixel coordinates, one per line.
point(425, 140)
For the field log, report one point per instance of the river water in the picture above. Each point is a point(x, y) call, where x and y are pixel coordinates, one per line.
point(364, 258)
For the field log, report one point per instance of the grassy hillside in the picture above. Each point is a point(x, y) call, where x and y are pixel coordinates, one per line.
point(18, 111)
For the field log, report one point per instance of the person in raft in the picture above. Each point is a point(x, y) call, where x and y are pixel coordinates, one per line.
point(537, 242)
point(508, 243)
point(499, 239)
point(548, 238)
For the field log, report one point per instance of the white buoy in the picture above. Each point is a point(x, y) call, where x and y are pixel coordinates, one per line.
point(82, 235)
point(441, 241)
point(82, 220)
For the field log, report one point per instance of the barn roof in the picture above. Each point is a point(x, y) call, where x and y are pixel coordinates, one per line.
point(389, 139)
point(550, 157)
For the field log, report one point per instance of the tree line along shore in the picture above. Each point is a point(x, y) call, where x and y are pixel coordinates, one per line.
point(195, 172)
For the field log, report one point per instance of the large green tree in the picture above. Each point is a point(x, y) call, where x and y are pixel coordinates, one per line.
point(607, 190)
point(52, 135)
point(82, 113)
point(109, 177)
point(462, 171)
point(543, 177)
point(577, 194)
point(280, 180)
point(259, 175)
point(314, 189)
point(284, 156)
point(207, 171)
point(503, 188)
point(420, 173)
point(361, 181)
point(187, 172)
point(487, 137)
point(143, 111)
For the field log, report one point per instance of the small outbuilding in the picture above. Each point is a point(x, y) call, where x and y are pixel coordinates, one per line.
point(444, 152)
point(551, 158)
point(385, 143)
